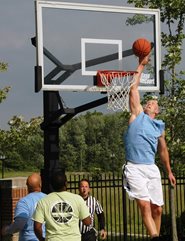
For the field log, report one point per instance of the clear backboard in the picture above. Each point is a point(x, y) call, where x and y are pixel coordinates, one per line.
point(75, 40)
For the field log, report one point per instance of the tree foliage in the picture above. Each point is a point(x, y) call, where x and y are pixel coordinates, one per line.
point(93, 141)
point(90, 142)
point(4, 91)
point(22, 144)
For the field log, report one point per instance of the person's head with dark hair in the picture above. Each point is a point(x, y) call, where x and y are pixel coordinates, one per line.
point(83, 180)
point(59, 181)
point(84, 188)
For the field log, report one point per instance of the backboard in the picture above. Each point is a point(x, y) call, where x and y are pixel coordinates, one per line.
point(75, 40)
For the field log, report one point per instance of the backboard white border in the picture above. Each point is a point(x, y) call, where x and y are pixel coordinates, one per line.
point(84, 41)
point(40, 4)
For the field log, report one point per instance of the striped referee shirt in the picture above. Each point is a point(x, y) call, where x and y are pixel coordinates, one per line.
point(94, 207)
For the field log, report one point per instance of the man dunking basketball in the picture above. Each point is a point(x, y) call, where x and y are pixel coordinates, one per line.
point(144, 137)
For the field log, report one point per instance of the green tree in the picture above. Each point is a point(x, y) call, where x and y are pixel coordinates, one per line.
point(93, 142)
point(4, 91)
point(22, 144)
point(72, 144)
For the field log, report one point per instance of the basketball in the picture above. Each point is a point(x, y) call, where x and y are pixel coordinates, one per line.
point(141, 47)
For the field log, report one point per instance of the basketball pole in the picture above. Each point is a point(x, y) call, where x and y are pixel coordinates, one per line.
point(51, 127)
point(51, 141)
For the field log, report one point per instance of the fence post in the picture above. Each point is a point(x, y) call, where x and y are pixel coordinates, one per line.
point(124, 212)
point(173, 214)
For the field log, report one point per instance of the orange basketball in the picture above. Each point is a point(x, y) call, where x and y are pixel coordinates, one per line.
point(141, 47)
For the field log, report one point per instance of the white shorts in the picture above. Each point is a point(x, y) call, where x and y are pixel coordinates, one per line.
point(143, 182)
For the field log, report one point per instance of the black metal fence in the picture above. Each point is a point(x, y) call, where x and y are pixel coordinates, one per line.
point(123, 220)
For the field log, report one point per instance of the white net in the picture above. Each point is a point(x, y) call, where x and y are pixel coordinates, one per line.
point(117, 84)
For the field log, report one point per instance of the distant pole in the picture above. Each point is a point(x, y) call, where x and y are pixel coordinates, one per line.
point(112, 159)
point(2, 158)
point(3, 169)
point(124, 211)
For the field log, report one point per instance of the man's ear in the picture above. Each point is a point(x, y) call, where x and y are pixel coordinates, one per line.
point(157, 110)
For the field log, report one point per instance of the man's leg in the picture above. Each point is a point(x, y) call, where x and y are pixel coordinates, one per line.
point(156, 214)
point(147, 216)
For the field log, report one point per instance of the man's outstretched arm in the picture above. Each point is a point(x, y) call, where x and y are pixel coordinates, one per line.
point(134, 96)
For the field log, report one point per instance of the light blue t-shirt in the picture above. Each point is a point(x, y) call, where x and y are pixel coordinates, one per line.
point(141, 139)
point(25, 209)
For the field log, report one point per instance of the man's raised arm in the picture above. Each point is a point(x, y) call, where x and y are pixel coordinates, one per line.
point(134, 96)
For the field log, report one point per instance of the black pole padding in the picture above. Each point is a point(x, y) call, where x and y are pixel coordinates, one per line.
point(38, 71)
point(95, 80)
point(152, 45)
point(33, 41)
point(38, 78)
point(161, 82)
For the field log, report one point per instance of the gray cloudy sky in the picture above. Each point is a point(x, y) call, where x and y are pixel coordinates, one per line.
point(17, 27)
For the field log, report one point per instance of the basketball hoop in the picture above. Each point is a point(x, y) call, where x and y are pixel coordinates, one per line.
point(117, 85)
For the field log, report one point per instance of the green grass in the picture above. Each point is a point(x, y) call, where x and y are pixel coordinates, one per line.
point(11, 174)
